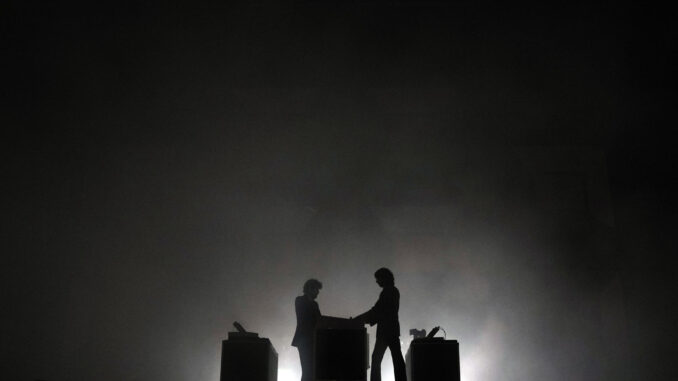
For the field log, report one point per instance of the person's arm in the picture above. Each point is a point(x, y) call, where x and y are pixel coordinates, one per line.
point(315, 314)
point(365, 318)
point(298, 308)
point(372, 316)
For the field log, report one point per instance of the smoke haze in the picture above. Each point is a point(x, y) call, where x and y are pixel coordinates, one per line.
point(170, 171)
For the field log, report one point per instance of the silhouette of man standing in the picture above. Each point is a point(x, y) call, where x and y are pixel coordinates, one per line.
point(385, 315)
point(308, 314)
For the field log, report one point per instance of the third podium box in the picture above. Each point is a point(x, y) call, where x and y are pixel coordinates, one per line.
point(433, 359)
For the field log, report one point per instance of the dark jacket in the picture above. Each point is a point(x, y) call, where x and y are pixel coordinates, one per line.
point(385, 314)
point(308, 314)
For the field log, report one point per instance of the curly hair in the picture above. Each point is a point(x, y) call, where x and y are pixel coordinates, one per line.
point(312, 284)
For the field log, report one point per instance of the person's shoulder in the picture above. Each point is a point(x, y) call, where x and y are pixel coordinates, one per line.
point(299, 299)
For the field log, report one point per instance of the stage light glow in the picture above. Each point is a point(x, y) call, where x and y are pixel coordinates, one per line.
point(287, 374)
point(479, 362)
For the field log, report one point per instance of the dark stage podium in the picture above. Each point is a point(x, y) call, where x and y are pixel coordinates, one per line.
point(341, 350)
point(433, 359)
point(247, 357)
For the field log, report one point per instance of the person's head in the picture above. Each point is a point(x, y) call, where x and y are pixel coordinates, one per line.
point(384, 277)
point(312, 288)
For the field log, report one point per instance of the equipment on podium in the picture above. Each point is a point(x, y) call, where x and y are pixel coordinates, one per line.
point(247, 357)
point(341, 350)
point(242, 333)
point(239, 327)
point(418, 333)
point(433, 332)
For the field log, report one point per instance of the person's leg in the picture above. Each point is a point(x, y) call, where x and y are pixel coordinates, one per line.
point(377, 355)
point(398, 362)
point(306, 359)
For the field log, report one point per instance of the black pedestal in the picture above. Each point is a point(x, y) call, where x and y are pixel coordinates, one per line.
point(341, 351)
point(248, 359)
point(433, 360)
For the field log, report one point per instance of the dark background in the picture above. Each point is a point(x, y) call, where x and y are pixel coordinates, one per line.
point(170, 169)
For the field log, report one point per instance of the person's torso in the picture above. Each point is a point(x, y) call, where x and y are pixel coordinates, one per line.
point(391, 298)
point(307, 312)
point(388, 325)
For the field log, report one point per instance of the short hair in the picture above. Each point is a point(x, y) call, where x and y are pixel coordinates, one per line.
point(312, 284)
point(385, 274)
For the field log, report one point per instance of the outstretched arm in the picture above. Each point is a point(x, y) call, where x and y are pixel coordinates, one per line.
point(363, 318)
point(372, 316)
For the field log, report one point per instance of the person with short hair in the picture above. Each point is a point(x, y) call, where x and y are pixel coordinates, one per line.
point(308, 313)
point(385, 315)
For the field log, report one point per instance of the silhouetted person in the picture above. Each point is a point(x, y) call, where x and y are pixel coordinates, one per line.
point(308, 314)
point(385, 315)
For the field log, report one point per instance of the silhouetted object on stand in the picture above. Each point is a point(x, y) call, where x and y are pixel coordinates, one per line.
point(418, 333)
point(239, 327)
point(247, 357)
point(308, 313)
point(385, 315)
point(242, 333)
point(432, 358)
point(433, 332)
point(341, 349)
